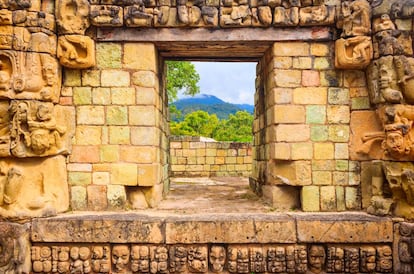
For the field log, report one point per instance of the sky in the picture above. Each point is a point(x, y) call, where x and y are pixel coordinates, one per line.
point(231, 82)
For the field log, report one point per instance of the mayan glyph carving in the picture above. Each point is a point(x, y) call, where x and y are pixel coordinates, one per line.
point(33, 188)
point(76, 51)
point(29, 75)
point(354, 50)
point(139, 258)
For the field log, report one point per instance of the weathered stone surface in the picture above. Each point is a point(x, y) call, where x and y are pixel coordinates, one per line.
point(15, 248)
point(76, 51)
point(243, 230)
point(101, 228)
point(344, 228)
point(33, 187)
point(72, 16)
point(282, 198)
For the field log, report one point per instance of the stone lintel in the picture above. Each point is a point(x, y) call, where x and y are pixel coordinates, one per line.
point(231, 229)
point(240, 35)
point(344, 228)
point(117, 228)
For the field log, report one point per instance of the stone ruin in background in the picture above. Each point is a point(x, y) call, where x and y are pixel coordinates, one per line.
point(84, 126)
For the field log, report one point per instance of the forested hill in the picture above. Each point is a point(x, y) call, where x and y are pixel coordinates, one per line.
point(210, 104)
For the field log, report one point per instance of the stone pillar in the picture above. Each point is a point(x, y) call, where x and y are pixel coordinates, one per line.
point(302, 129)
point(119, 149)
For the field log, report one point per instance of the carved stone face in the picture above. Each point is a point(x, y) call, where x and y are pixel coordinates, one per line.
point(217, 258)
point(394, 142)
point(120, 257)
point(316, 258)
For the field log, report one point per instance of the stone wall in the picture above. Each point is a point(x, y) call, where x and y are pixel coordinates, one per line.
point(193, 156)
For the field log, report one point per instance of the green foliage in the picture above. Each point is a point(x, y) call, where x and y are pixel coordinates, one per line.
point(198, 123)
point(181, 76)
point(238, 128)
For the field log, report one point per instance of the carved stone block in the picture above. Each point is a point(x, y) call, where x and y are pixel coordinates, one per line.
point(356, 18)
point(72, 16)
point(6, 37)
point(107, 15)
point(353, 53)
point(40, 129)
point(317, 15)
point(29, 75)
point(138, 16)
point(14, 248)
point(76, 51)
point(40, 22)
point(235, 16)
point(33, 188)
point(286, 17)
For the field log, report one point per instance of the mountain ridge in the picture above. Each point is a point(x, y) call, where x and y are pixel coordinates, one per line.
point(210, 104)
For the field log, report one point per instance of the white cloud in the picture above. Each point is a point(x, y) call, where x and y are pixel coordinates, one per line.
point(231, 82)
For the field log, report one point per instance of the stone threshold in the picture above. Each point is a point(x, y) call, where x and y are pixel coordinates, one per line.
point(152, 227)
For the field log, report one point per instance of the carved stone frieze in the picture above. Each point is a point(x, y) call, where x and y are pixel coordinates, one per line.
point(16, 4)
point(76, 51)
point(138, 258)
point(29, 75)
point(72, 16)
point(14, 248)
point(33, 188)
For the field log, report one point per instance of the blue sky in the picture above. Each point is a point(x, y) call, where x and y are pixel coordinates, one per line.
point(231, 82)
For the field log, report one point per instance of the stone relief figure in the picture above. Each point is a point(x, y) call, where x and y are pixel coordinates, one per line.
point(17, 67)
point(106, 15)
point(353, 53)
point(80, 260)
point(27, 191)
point(402, 9)
point(356, 18)
point(72, 16)
point(217, 258)
point(76, 51)
point(120, 258)
point(138, 16)
point(316, 259)
point(37, 129)
point(317, 15)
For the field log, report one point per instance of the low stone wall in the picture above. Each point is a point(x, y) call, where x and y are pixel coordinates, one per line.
point(194, 156)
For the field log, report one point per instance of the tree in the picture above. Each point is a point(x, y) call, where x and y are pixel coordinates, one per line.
point(181, 76)
point(237, 127)
point(198, 123)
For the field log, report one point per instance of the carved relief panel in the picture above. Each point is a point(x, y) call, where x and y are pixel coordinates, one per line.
point(29, 75)
point(354, 50)
point(33, 188)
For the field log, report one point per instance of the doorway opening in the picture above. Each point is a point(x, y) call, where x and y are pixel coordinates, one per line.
point(211, 139)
